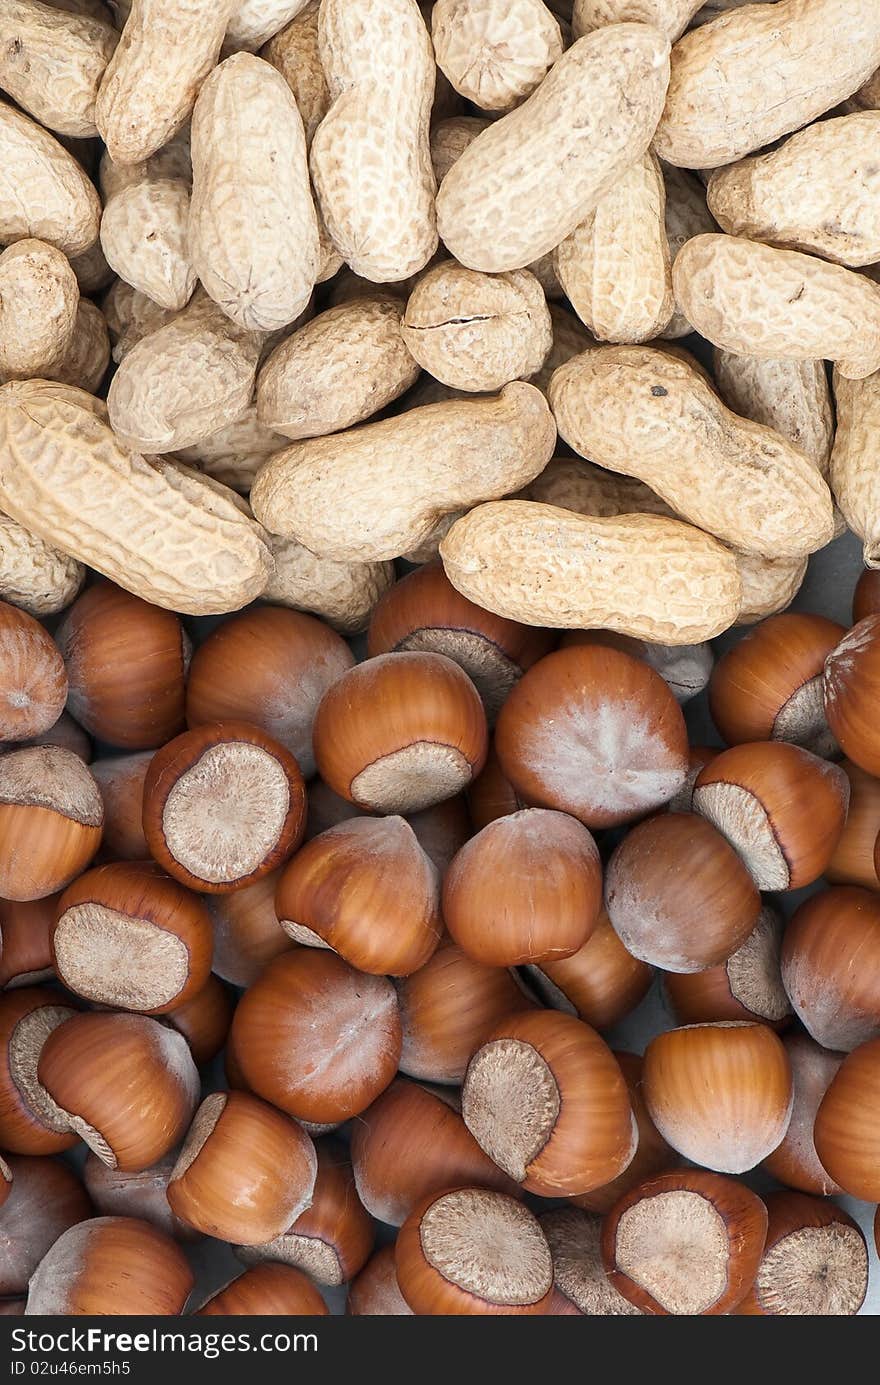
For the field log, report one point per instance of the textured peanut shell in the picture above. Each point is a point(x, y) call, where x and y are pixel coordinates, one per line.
point(713, 8)
point(51, 64)
point(370, 159)
point(376, 492)
point(533, 176)
point(429, 548)
point(44, 192)
point(234, 454)
point(570, 338)
point(818, 192)
point(855, 460)
point(253, 22)
point(253, 235)
point(34, 575)
point(654, 578)
point(92, 270)
point(615, 267)
point(185, 381)
point(477, 332)
point(686, 216)
point(173, 160)
point(792, 397)
point(343, 594)
point(450, 138)
point(343, 366)
point(495, 52)
point(768, 585)
point(165, 52)
point(755, 300)
point(756, 74)
point(671, 17)
point(38, 300)
point(174, 538)
point(649, 414)
point(87, 357)
point(130, 316)
point(144, 238)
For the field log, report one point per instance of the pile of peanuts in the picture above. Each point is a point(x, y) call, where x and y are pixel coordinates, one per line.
point(356, 326)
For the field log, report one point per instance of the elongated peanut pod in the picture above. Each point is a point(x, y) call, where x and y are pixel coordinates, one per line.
point(759, 301)
point(44, 192)
point(38, 301)
point(657, 579)
point(375, 492)
point(33, 575)
point(176, 539)
point(370, 158)
point(793, 397)
point(649, 414)
point(855, 459)
point(52, 63)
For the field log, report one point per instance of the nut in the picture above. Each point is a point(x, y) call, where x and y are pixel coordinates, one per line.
point(600, 983)
point(815, 1261)
point(795, 1161)
point(33, 679)
point(747, 986)
point(831, 966)
point(30, 1121)
point(44, 192)
point(847, 1131)
point(375, 1291)
point(36, 40)
point(51, 818)
point(792, 397)
point(44, 1200)
point(265, 1290)
point(111, 1265)
point(38, 301)
point(495, 53)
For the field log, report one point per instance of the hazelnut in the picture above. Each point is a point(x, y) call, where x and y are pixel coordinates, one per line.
point(120, 780)
point(575, 1240)
point(795, 1161)
point(852, 686)
point(30, 1121)
point(747, 986)
point(831, 966)
point(375, 1292)
point(247, 933)
point(847, 1128)
point(684, 667)
point(45, 1198)
point(652, 1155)
point(135, 1193)
point(600, 983)
point(119, 1266)
point(266, 1291)
point(204, 1020)
point(853, 860)
point(51, 818)
point(33, 680)
point(491, 796)
point(815, 1261)
point(25, 941)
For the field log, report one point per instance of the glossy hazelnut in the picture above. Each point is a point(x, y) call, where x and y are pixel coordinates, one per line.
point(687, 1243)
point(127, 663)
point(831, 966)
point(795, 1161)
point(247, 934)
point(684, 667)
point(779, 806)
point(595, 733)
point(269, 666)
point(120, 780)
point(204, 1020)
point(769, 685)
point(527, 887)
point(575, 1240)
point(375, 1293)
point(678, 895)
point(331, 1239)
point(853, 860)
point(400, 732)
point(25, 941)
point(847, 1129)
point(118, 1266)
point(266, 1291)
point(424, 613)
point(30, 1122)
point(135, 1193)
point(366, 890)
point(33, 680)
point(747, 986)
point(448, 1007)
point(412, 1141)
point(317, 1038)
point(223, 805)
point(245, 1171)
point(721, 1094)
point(126, 1084)
point(45, 1198)
point(545, 1099)
point(653, 1154)
point(129, 937)
point(492, 796)
point(473, 1251)
point(852, 688)
point(866, 597)
point(815, 1261)
point(51, 818)
point(600, 983)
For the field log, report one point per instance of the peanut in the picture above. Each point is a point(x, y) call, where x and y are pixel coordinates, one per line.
point(91, 269)
point(648, 414)
point(343, 594)
point(819, 191)
point(686, 216)
point(87, 357)
point(345, 365)
point(174, 538)
point(791, 397)
point(165, 52)
point(615, 266)
point(253, 22)
point(38, 300)
point(144, 240)
point(495, 52)
point(234, 454)
point(429, 549)
point(477, 332)
point(377, 492)
point(184, 381)
point(172, 161)
point(671, 17)
point(130, 316)
point(757, 74)
point(253, 236)
point(33, 575)
point(758, 301)
point(532, 177)
point(855, 460)
point(370, 157)
point(768, 585)
point(642, 575)
point(52, 63)
point(570, 338)
point(44, 192)
point(450, 138)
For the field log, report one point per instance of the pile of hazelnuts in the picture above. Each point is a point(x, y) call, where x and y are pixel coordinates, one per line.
point(305, 949)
